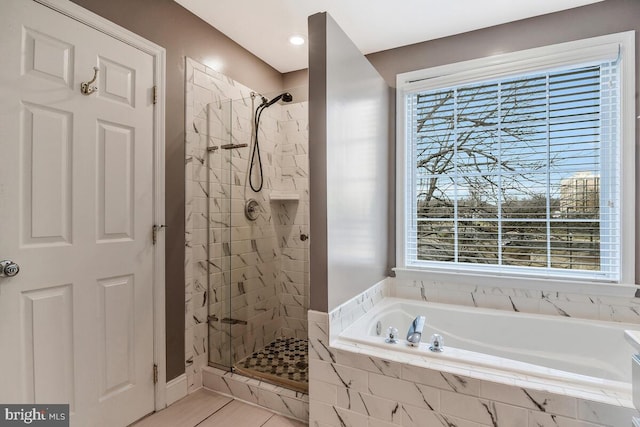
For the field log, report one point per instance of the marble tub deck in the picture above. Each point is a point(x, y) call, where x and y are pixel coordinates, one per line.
point(356, 386)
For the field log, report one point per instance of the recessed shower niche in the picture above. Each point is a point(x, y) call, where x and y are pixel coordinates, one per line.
point(247, 258)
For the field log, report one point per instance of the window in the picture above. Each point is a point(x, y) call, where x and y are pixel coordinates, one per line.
point(515, 164)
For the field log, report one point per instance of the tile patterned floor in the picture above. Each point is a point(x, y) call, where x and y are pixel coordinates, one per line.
point(284, 361)
point(205, 408)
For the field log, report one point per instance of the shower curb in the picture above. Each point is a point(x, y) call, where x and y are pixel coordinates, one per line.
point(289, 403)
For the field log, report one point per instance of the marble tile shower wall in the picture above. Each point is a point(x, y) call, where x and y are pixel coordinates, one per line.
point(257, 268)
point(292, 220)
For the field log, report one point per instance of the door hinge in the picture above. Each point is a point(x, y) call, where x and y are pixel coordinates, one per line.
point(155, 373)
point(155, 230)
point(155, 94)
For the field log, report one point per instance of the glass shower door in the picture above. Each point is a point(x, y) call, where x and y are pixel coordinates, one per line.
point(252, 287)
point(268, 304)
point(219, 119)
point(258, 249)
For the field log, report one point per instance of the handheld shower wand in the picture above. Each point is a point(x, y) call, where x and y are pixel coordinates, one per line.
point(285, 97)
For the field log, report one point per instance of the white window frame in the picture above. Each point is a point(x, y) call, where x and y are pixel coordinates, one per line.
point(502, 66)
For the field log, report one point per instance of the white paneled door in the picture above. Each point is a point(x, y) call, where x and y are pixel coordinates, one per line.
point(76, 212)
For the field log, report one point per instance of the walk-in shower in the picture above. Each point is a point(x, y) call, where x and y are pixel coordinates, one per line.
point(253, 265)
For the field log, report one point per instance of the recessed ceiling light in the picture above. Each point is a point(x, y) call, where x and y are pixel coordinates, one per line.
point(296, 40)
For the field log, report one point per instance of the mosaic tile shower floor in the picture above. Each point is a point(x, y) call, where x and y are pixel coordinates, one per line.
point(283, 362)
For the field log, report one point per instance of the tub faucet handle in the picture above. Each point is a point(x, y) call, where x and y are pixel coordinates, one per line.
point(392, 335)
point(437, 343)
point(414, 335)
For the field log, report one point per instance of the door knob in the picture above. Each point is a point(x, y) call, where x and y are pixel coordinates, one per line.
point(8, 268)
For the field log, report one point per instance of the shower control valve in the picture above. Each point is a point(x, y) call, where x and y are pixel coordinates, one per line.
point(252, 209)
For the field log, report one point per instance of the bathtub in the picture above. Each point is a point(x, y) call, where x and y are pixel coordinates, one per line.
point(573, 355)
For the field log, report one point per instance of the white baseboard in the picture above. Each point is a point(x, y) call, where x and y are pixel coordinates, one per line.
point(176, 389)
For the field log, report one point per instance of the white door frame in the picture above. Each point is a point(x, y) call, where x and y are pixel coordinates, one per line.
point(158, 53)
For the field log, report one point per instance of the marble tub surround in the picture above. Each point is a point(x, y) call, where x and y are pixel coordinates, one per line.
point(621, 306)
point(486, 345)
point(357, 387)
point(249, 277)
point(344, 315)
point(281, 400)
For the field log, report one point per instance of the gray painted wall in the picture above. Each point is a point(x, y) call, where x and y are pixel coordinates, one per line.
point(317, 36)
point(610, 16)
point(349, 245)
point(298, 78)
point(181, 33)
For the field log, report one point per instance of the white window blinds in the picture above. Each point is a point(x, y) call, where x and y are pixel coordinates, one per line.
point(517, 174)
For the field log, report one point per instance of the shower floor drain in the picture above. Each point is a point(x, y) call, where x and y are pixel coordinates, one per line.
point(284, 361)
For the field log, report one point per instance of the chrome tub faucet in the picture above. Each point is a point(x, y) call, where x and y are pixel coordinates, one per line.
point(414, 335)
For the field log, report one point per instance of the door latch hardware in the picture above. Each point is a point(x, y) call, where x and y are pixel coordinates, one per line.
point(155, 230)
point(8, 268)
point(86, 88)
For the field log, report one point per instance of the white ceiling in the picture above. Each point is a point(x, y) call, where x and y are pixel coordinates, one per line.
point(263, 27)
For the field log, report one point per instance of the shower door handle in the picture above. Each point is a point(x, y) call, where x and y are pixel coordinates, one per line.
point(8, 268)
